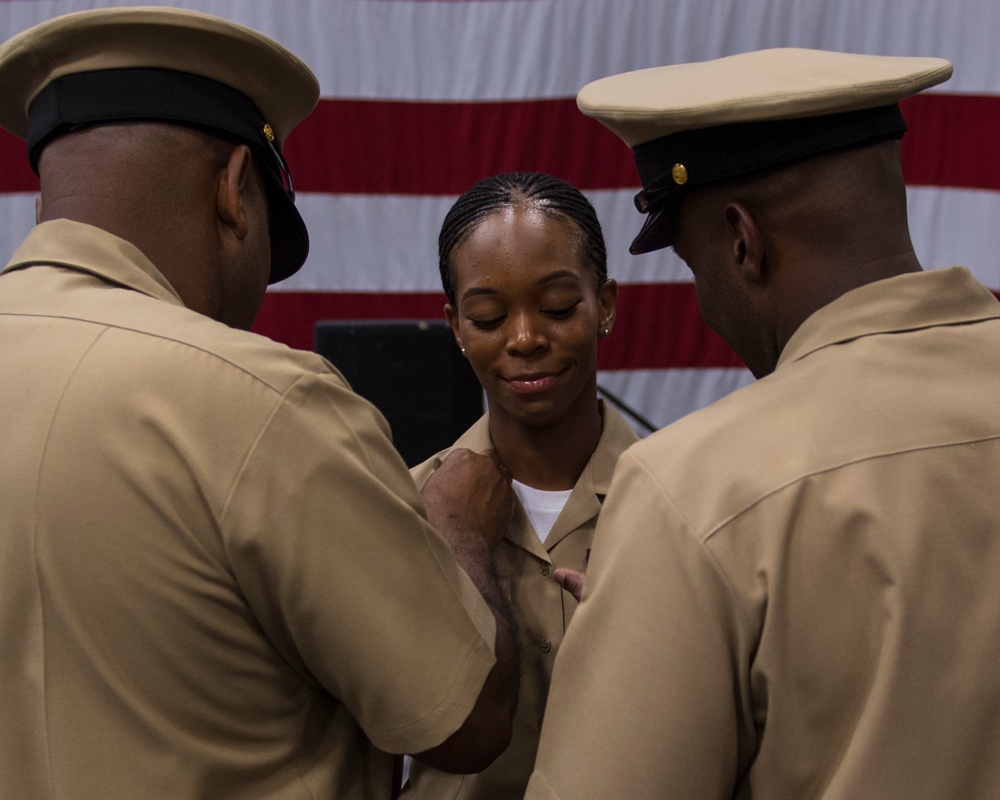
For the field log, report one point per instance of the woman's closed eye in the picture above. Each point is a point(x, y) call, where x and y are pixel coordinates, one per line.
point(564, 312)
point(489, 323)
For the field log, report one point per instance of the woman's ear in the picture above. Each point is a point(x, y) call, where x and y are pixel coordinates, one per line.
point(608, 301)
point(234, 181)
point(452, 318)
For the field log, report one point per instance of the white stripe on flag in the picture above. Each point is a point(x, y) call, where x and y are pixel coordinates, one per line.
point(518, 49)
point(373, 243)
point(663, 396)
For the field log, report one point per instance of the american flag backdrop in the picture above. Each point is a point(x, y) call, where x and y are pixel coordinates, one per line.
point(421, 98)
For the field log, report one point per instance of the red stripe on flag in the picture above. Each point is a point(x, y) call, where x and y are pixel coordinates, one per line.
point(290, 317)
point(369, 147)
point(15, 174)
point(416, 148)
point(953, 140)
point(375, 147)
point(682, 339)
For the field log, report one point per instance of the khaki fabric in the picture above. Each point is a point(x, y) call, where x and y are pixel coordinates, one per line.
point(278, 82)
point(216, 580)
point(542, 608)
point(793, 593)
point(771, 84)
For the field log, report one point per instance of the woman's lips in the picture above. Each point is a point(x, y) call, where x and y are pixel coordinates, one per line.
point(532, 384)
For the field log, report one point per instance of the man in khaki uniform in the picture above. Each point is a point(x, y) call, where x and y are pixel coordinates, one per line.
point(217, 578)
point(793, 592)
point(526, 567)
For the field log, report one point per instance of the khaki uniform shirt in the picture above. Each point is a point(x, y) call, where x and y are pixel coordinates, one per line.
point(795, 592)
point(215, 577)
point(543, 609)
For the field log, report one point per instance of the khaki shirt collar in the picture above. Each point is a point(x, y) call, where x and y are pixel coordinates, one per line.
point(585, 500)
point(84, 248)
point(915, 300)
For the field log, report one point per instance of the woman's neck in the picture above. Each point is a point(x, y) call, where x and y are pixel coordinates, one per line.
point(550, 457)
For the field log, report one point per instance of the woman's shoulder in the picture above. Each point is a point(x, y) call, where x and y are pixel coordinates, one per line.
point(476, 438)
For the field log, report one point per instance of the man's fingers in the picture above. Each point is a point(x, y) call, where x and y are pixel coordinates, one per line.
point(571, 580)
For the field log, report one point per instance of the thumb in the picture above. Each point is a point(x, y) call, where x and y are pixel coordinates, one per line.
point(570, 580)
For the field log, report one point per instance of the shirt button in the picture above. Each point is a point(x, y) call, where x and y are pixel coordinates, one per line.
point(545, 646)
point(545, 571)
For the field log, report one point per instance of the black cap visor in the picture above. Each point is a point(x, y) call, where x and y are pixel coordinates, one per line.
point(657, 230)
point(289, 236)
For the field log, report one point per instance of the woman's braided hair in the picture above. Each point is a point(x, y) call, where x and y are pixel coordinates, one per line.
point(534, 190)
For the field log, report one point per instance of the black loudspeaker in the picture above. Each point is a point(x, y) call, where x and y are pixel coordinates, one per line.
point(413, 372)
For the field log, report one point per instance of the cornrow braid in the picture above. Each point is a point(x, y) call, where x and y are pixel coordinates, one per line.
point(535, 190)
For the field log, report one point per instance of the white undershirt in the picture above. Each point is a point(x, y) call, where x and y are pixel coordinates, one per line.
point(542, 507)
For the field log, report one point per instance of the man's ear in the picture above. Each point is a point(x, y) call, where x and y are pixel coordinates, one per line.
point(747, 243)
point(234, 181)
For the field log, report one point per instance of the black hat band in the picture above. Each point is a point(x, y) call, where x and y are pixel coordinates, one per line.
point(692, 159)
point(149, 94)
point(179, 98)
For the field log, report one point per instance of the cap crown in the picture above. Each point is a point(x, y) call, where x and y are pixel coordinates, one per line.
point(780, 83)
point(278, 82)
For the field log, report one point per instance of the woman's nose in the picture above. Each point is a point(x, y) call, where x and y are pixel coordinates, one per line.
point(526, 335)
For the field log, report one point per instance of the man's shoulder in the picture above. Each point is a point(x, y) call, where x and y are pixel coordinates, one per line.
point(252, 354)
point(194, 347)
point(112, 289)
point(737, 420)
point(718, 461)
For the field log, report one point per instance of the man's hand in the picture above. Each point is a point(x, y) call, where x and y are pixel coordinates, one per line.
point(469, 502)
point(571, 580)
point(470, 493)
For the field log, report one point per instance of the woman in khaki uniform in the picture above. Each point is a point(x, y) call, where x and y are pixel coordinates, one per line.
point(523, 263)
